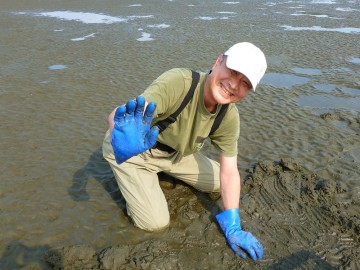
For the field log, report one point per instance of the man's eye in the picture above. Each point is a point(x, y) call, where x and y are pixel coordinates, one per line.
point(248, 85)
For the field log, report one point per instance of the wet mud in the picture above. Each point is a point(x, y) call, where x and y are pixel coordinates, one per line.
point(298, 216)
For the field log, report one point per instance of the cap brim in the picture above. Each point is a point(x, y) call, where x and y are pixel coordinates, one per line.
point(243, 70)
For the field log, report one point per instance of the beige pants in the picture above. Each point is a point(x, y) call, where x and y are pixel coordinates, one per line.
point(139, 184)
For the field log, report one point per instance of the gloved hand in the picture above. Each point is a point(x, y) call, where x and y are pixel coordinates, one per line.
point(132, 134)
point(229, 221)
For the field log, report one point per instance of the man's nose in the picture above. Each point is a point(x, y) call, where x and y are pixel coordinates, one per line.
point(235, 85)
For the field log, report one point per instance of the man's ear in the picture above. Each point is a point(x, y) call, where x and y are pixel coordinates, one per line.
point(218, 60)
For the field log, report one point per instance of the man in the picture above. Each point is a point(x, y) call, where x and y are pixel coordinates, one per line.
point(136, 152)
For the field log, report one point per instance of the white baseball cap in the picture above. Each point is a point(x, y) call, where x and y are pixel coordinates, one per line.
point(247, 59)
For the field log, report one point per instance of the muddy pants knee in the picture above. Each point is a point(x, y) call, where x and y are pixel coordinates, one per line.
point(139, 184)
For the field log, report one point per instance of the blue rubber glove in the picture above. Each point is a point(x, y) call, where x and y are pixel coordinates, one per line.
point(132, 134)
point(229, 221)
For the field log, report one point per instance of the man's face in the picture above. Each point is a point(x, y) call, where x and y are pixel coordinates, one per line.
point(227, 85)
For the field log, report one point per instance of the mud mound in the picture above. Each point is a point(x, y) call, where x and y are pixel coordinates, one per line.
point(299, 213)
point(295, 214)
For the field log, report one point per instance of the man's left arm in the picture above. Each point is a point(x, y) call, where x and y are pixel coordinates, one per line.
point(229, 219)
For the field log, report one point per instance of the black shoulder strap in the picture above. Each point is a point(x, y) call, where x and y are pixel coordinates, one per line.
point(219, 118)
point(163, 124)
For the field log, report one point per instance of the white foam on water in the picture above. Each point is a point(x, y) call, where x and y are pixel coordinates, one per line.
point(136, 5)
point(298, 14)
point(145, 37)
point(346, 30)
point(140, 16)
point(302, 13)
point(84, 17)
point(347, 9)
point(83, 38)
point(162, 25)
point(57, 67)
point(270, 4)
point(206, 18)
point(226, 12)
point(231, 3)
point(320, 16)
point(327, 2)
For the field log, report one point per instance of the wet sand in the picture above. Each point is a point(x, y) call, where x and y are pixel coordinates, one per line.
point(65, 66)
point(295, 213)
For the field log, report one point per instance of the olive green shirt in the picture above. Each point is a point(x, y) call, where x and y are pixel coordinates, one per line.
point(192, 126)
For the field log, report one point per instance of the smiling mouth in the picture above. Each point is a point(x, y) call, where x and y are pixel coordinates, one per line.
point(226, 91)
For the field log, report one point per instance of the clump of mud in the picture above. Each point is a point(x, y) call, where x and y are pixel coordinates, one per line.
point(295, 214)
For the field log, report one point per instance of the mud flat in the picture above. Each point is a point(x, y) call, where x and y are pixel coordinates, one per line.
point(299, 217)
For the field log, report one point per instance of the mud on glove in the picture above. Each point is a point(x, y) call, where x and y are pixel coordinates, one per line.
point(239, 241)
point(132, 134)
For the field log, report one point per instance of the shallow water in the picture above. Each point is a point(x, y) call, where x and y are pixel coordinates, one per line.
point(65, 66)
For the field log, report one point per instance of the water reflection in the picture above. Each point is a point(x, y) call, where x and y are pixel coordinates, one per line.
point(307, 71)
point(326, 87)
point(283, 80)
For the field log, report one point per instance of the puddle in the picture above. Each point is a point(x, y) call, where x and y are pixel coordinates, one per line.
point(351, 91)
point(326, 87)
point(355, 60)
point(330, 102)
point(307, 71)
point(283, 80)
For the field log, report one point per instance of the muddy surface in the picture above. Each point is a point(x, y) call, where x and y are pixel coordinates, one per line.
point(296, 215)
point(65, 65)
